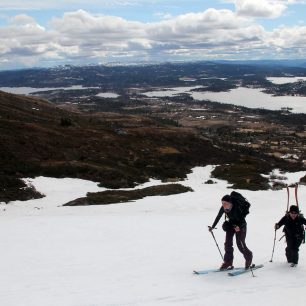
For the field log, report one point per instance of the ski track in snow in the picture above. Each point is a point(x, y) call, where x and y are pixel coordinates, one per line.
point(141, 253)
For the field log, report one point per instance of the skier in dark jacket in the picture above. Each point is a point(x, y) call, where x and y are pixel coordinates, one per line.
point(294, 231)
point(235, 225)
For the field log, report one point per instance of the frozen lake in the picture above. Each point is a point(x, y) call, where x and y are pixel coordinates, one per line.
point(241, 96)
point(248, 97)
point(110, 95)
point(29, 90)
point(285, 80)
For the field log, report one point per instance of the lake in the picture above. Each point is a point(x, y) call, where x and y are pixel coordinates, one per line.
point(285, 80)
point(29, 90)
point(109, 95)
point(241, 96)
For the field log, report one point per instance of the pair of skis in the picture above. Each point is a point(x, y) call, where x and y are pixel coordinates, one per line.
point(232, 272)
point(296, 186)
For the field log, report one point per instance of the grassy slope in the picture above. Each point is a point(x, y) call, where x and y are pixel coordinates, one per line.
point(37, 138)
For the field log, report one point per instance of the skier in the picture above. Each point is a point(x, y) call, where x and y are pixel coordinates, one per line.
point(294, 231)
point(235, 225)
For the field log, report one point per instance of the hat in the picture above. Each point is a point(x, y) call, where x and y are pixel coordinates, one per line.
point(227, 198)
point(294, 208)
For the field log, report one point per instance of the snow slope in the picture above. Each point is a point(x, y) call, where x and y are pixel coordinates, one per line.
point(141, 253)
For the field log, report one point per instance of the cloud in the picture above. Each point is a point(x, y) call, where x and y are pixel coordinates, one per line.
point(94, 34)
point(114, 34)
point(23, 19)
point(25, 41)
point(263, 8)
point(80, 37)
point(62, 4)
point(288, 38)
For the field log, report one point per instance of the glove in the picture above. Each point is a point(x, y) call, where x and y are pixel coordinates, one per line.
point(210, 228)
point(276, 226)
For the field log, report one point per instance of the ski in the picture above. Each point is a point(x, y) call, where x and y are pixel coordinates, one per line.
point(214, 270)
point(243, 270)
point(288, 196)
point(296, 194)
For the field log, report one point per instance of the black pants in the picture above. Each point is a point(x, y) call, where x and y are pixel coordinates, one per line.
point(292, 249)
point(240, 241)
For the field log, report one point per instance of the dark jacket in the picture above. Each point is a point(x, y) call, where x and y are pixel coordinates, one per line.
point(293, 227)
point(234, 217)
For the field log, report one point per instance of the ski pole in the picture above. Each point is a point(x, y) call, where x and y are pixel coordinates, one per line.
point(273, 246)
point(211, 231)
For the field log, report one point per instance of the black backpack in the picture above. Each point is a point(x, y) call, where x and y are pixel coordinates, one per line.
point(241, 202)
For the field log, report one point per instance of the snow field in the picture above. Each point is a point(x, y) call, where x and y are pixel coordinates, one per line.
point(141, 253)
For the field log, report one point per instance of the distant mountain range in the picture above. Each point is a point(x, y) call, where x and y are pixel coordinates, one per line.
point(164, 74)
point(301, 63)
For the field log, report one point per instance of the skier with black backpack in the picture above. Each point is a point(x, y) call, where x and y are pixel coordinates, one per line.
point(235, 207)
point(293, 223)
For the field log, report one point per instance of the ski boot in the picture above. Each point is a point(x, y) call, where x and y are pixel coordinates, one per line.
point(227, 266)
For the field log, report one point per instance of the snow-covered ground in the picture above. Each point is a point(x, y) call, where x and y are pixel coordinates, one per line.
point(141, 253)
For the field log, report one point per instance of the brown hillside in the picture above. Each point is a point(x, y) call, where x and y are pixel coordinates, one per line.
point(38, 138)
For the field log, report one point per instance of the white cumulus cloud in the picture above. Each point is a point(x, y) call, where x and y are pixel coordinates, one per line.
point(62, 4)
point(80, 36)
point(263, 8)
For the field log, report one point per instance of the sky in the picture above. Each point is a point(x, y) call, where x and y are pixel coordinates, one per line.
point(58, 32)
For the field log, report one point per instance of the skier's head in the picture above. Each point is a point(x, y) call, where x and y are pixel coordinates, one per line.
point(227, 203)
point(293, 211)
point(227, 198)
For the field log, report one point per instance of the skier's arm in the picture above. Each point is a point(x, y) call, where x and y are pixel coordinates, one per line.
point(281, 222)
point(220, 213)
point(303, 220)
